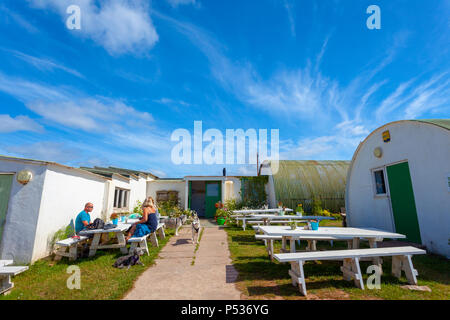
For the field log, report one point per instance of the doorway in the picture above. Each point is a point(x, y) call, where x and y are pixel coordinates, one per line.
point(403, 201)
point(203, 196)
point(5, 192)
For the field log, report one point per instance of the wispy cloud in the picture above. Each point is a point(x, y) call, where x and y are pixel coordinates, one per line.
point(176, 3)
point(19, 123)
point(17, 19)
point(120, 26)
point(289, 6)
point(43, 63)
point(410, 101)
point(45, 150)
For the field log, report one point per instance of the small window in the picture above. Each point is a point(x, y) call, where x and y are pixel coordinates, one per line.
point(121, 198)
point(380, 186)
point(212, 190)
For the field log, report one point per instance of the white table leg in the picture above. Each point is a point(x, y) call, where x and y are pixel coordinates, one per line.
point(5, 283)
point(378, 261)
point(292, 245)
point(122, 243)
point(94, 244)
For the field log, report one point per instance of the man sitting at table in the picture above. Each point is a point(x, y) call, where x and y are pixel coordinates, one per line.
point(83, 218)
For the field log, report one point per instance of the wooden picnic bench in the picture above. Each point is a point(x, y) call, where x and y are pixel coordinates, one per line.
point(6, 272)
point(141, 242)
point(401, 261)
point(69, 248)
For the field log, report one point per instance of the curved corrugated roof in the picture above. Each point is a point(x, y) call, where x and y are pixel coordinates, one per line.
point(298, 181)
point(444, 123)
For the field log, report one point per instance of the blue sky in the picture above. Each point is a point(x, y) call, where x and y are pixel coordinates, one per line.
point(113, 92)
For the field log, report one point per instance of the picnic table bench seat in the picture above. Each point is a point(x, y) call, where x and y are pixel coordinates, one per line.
point(401, 261)
point(141, 242)
point(6, 272)
point(69, 248)
point(5, 262)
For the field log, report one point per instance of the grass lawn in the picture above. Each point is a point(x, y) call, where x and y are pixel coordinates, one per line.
point(99, 280)
point(260, 278)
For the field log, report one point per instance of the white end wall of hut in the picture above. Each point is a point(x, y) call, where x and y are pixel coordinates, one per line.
point(23, 210)
point(426, 147)
point(168, 185)
point(65, 193)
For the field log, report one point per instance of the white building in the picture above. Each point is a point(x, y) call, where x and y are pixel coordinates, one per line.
point(31, 213)
point(399, 180)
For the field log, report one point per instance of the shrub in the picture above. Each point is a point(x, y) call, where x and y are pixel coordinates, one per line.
point(317, 206)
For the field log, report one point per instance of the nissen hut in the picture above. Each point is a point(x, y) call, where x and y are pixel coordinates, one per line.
point(399, 180)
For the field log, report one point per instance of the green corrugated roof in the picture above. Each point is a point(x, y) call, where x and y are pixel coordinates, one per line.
point(298, 181)
point(444, 123)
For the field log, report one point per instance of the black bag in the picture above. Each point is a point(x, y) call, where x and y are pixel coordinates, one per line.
point(97, 224)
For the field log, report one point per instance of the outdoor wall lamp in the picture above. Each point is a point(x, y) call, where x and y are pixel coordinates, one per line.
point(24, 176)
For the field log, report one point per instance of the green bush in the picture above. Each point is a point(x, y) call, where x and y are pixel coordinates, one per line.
point(317, 207)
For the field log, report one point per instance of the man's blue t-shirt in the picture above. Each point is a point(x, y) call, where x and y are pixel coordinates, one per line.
point(82, 216)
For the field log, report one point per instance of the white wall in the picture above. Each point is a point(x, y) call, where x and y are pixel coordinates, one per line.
point(426, 147)
point(168, 185)
point(138, 191)
point(65, 193)
point(23, 209)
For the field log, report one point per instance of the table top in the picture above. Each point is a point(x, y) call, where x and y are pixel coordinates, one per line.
point(275, 216)
point(260, 210)
point(338, 232)
point(121, 227)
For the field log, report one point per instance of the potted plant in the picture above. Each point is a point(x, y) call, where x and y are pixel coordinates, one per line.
point(293, 225)
point(314, 224)
point(114, 218)
point(123, 216)
point(299, 210)
point(221, 215)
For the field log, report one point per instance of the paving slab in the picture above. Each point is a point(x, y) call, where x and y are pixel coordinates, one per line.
point(173, 277)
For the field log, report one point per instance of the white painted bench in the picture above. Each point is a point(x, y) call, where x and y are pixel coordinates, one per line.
point(141, 242)
point(6, 272)
point(69, 248)
point(401, 261)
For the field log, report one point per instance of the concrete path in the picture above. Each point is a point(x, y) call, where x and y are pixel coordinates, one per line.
point(173, 277)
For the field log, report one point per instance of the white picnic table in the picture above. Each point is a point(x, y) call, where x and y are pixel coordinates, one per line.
point(266, 218)
point(257, 211)
point(352, 235)
point(118, 231)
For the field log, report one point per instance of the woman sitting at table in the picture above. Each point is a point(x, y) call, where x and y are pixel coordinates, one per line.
point(148, 223)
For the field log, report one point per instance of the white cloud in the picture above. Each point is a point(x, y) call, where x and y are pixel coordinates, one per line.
point(17, 19)
point(45, 150)
point(176, 3)
point(44, 64)
point(120, 26)
point(19, 123)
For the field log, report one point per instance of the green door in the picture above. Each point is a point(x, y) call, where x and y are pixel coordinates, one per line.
point(213, 195)
point(5, 192)
point(403, 203)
